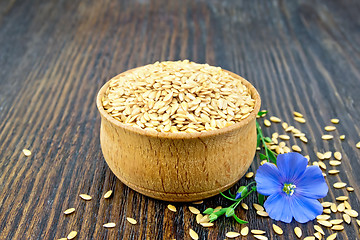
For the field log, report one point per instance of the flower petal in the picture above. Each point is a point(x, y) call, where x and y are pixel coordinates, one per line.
point(278, 207)
point(312, 184)
point(291, 165)
point(268, 179)
point(305, 209)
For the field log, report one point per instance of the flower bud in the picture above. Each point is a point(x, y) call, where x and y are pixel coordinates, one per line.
point(242, 191)
point(229, 212)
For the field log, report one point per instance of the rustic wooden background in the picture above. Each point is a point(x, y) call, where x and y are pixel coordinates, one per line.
point(55, 56)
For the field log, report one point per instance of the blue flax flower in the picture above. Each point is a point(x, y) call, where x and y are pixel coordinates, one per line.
point(292, 187)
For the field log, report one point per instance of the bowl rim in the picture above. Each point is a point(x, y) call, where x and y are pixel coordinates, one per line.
point(180, 135)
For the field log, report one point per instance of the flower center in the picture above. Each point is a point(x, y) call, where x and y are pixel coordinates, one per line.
point(289, 188)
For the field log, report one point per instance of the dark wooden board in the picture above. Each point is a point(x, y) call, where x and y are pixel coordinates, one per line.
point(55, 56)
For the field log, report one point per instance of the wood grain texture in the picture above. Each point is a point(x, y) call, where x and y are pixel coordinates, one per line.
point(55, 56)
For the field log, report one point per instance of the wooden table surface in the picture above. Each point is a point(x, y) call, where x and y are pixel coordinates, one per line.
point(55, 55)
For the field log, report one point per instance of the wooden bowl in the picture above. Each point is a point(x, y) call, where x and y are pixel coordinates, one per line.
point(178, 167)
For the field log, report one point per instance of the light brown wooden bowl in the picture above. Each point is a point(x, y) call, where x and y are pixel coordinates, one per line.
point(178, 167)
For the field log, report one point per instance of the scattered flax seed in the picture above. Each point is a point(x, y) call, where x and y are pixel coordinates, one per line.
point(333, 171)
point(258, 207)
point(72, 235)
point(327, 211)
point(322, 217)
point(318, 235)
point(334, 163)
point(85, 197)
point(316, 163)
point(193, 234)
point(298, 232)
point(244, 206)
point(284, 125)
point(171, 208)
point(341, 207)
point(332, 236)
point(261, 237)
point(347, 205)
point(350, 189)
point(338, 155)
point(284, 137)
point(299, 135)
point(108, 194)
point(244, 231)
point(325, 223)
point(327, 137)
point(296, 131)
point(249, 175)
point(263, 162)
point(199, 217)
point(339, 185)
point(358, 145)
point(342, 198)
point(198, 202)
point(217, 208)
point(330, 128)
point(204, 219)
point(208, 224)
point(62, 239)
point(300, 120)
point(109, 225)
point(289, 129)
point(26, 152)
point(267, 123)
point(275, 119)
point(333, 207)
point(336, 221)
point(304, 139)
point(351, 213)
point(347, 218)
point(297, 114)
point(320, 155)
point(131, 220)
point(327, 155)
point(258, 232)
point(307, 157)
point(319, 229)
point(342, 137)
point(232, 234)
point(358, 222)
point(296, 148)
point(194, 210)
point(309, 238)
point(262, 213)
point(335, 121)
point(337, 228)
point(277, 229)
point(69, 211)
point(322, 165)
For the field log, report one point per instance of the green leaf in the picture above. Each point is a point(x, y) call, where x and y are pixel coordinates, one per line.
point(272, 157)
point(239, 220)
point(261, 199)
point(229, 212)
point(208, 211)
point(262, 113)
point(262, 156)
point(267, 139)
point(212, 217)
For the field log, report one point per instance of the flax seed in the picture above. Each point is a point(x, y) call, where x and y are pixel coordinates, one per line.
point(244, 231)
point(232, 234)
point(335, 121)
point(277, 229)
